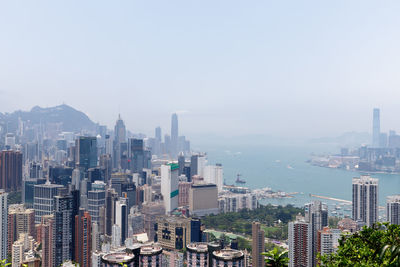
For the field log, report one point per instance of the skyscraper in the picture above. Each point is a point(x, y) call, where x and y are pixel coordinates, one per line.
point(214, 174)
point(376, 128)
point(158, 134)
point(170, 186)
point(328, 240)
point(365, 200)
point(83, 239)
point(20, 220)
point(139, 158)
point(120, 131)
point(63, 224)
point(197, 165)
point(3, 224)
point(119, 138)
point(86, 152)
point(10, 170)
point(258, 245)
point(121, 217)
point(393, 209)
point(43, 200)
point(111, 198)
point(96, 200)
point(300, 242)
point(47, 236)
point(174, 135)
point(316, 215)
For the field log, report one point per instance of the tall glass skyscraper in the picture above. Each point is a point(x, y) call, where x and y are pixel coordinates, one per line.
point(86, 151)
point(376, 128)
point(174, 135)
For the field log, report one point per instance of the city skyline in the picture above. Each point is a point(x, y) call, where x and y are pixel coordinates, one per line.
point(252, 66)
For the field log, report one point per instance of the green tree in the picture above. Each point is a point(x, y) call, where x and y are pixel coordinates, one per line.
point(372, 246)
point(276, 258)
point(3, 263)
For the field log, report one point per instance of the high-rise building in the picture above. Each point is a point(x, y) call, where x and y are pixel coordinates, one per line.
point(328, 240)
point(258, 245)
point(96, 200)
point(184, 192)
point(150, 255)
point(158, 134)
point(170, 186)
point(181, 162)
point(108, 145)
point(117, 259)
point(63, 225)
point(300, 244)
point(20, 220)
point(174, 135)
point(173, 232)
point(393, 209)
point(214, 174)
point(197, 255)
point(376, 128)
point(197, 165)
point(316, 214)
point(17, 253)
point(228, 257)
point(44, 199)
point(116, 236)
point(10, 170)
point(83, 239)
point(203, 199)
point(139, 158)
point(121, 217)
point(3, 224)
point(111, 198)
point(120, 131)
point(47, 238)
point(119, 139)
point(86, 152)
point(96, 243)
point(365, 200)
point(151, 211)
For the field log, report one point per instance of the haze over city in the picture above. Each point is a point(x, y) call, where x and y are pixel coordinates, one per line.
point(228, 67)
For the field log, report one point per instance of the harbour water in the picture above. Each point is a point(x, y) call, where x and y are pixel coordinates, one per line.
point(285, 168)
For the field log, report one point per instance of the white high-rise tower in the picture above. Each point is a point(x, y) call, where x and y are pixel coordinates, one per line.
point(169, 186)
point(365, 199)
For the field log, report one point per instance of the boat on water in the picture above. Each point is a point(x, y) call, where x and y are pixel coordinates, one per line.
point(238, 180)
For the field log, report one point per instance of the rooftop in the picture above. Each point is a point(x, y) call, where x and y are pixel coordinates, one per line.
point(118, 257)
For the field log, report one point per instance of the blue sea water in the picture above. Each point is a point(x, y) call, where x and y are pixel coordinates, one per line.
point(285, 168)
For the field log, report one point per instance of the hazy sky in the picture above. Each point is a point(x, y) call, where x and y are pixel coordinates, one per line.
point(307, 68)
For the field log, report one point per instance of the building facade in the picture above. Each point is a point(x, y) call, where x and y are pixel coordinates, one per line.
point(365, 200)
point(258, 245)
point(170, 186)
point(393, 209)
point(300, 244)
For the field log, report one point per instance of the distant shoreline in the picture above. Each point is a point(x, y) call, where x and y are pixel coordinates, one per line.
point(352, 170)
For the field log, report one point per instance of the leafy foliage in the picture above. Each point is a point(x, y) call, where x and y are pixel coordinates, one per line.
point(3, 263)
point(276, 258)
point(372, 246)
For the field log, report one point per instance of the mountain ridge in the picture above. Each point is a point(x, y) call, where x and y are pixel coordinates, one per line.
point(72, 119)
